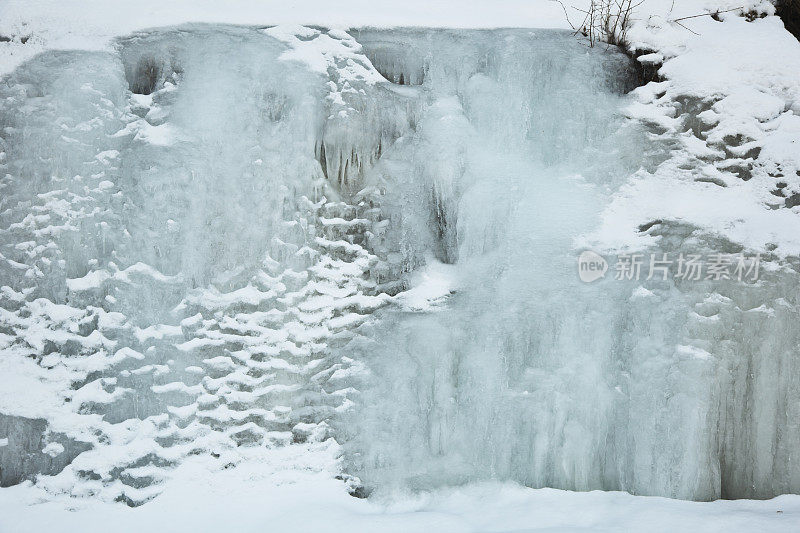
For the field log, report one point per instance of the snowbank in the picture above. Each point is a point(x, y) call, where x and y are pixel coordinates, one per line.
point(280, 491)
point(727, 110)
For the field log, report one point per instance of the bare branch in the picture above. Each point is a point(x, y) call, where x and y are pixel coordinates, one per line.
point(604, 20)
point(706, 14)
point(565, 13)
point(685, 27)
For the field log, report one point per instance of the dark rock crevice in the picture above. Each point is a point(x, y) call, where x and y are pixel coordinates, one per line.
point(789, 12)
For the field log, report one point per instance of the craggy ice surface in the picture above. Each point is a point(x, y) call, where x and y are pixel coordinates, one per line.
point(217, 241)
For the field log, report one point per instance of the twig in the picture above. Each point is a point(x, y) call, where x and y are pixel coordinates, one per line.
point(685, 27)
point(565, 12)
point(706, 14)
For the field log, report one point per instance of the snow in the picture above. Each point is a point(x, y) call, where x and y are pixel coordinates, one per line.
point(274, 489)
point(92, 280)
point(749, 86)
point(53, 449)
point(91, 24)
point(323, 51)
point(737, 214)
point(429, 287)
point(29, 390)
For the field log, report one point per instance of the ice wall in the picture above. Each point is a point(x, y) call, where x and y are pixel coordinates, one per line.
point(176, 261)
point(216, 239)
point(682, 389)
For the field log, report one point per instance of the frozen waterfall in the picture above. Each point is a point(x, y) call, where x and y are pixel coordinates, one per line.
point(222, 238)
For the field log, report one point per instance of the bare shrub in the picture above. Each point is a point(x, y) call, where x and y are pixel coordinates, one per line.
point(605, 21)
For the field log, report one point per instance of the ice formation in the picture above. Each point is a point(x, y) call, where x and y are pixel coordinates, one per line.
point(223, 237)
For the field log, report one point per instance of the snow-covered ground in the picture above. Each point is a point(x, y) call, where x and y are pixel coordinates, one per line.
point(724, 122)
point(293, 489)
